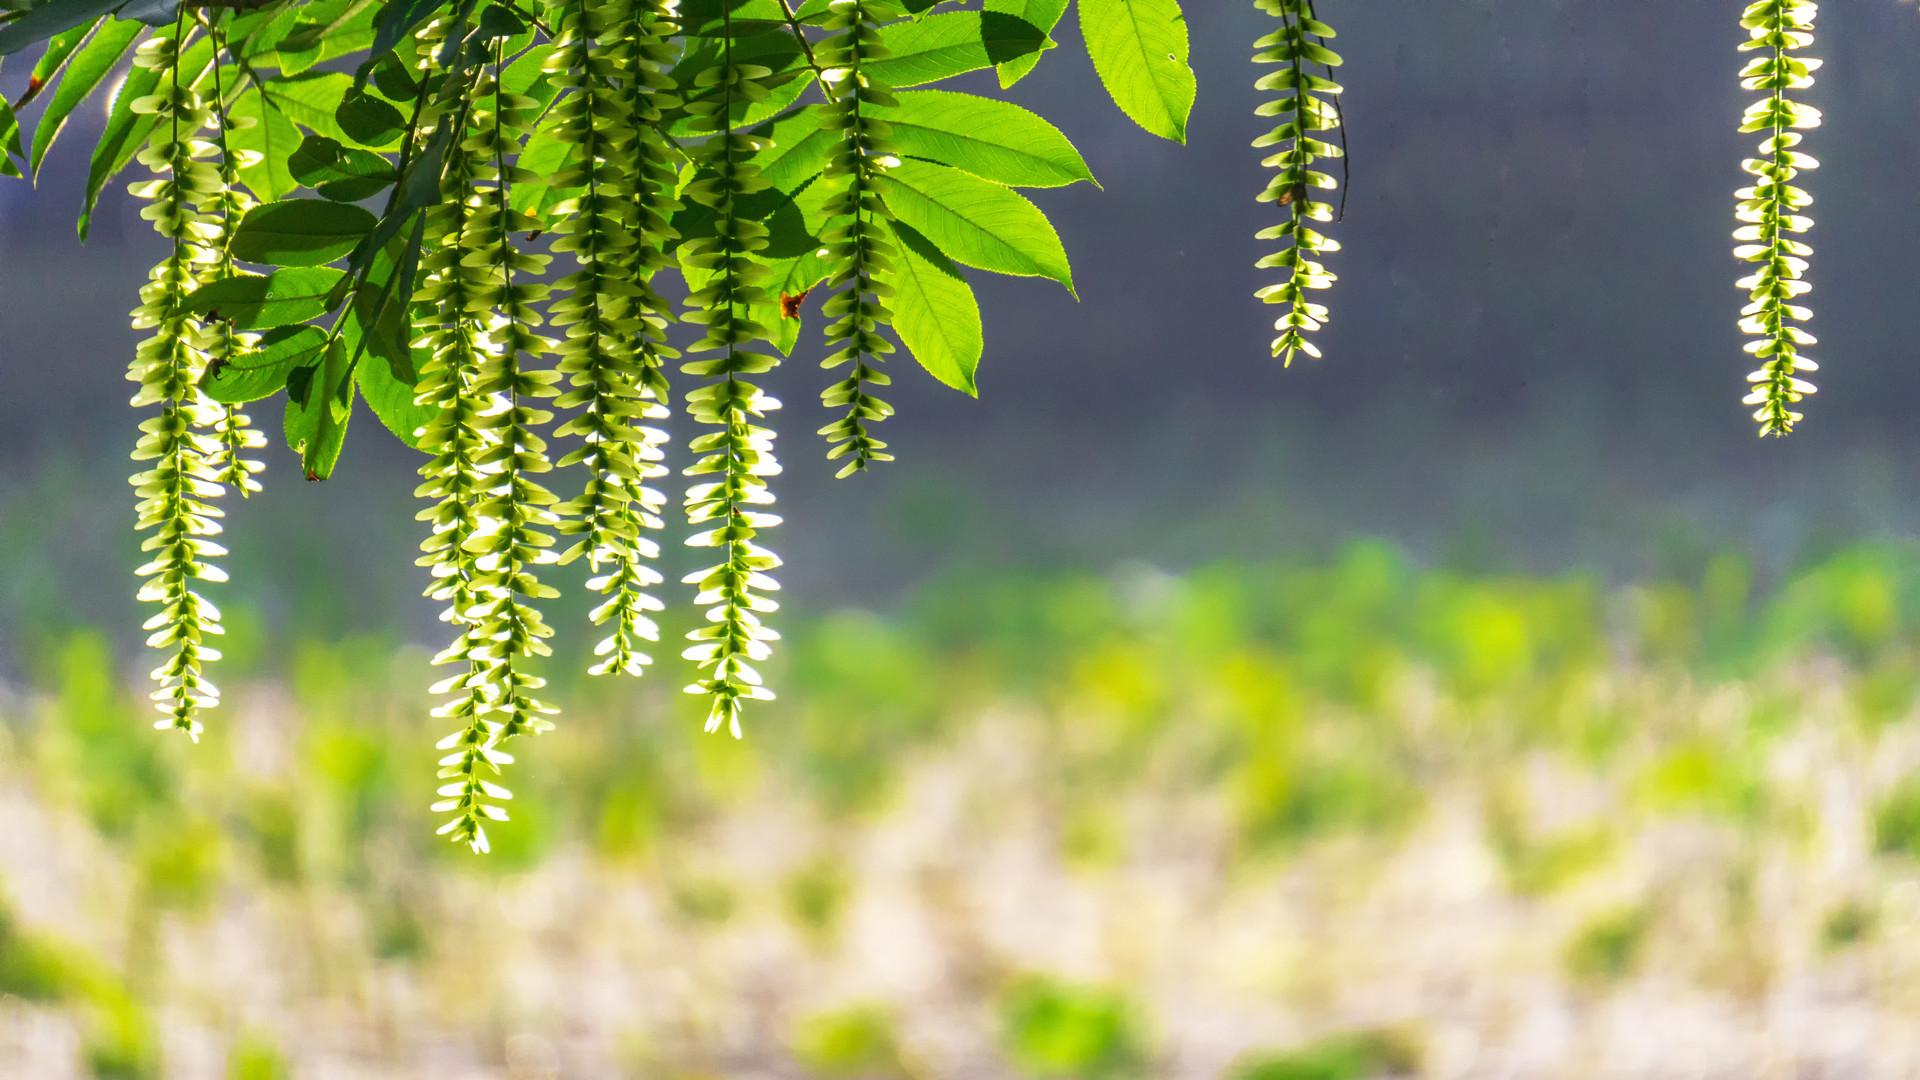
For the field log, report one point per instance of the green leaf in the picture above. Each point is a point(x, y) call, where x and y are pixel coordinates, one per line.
point(300, 232)
point(994, 140)
point(546, 154)
point(789, 235)
point(43, 21)
point(340, 173)
point(370, 122)
point(397, 19)
point(10, 153)
point(1046, 15)
point(975, 222)
point(53, 58)
point(771, 47)
point(1139, 48)
point(500, 24)
point(119, 140)
point(381, 298)
point(799, 146)
point(703, 18)
point(779, 98)
point(796, 276)
point(264, 371)
point(126, 131)
point(259, 47)
point(311, 99)
point(417, 189)
point(331, 29)
point(395, 82)
point(393, 402)
point(935, 313)
point(377, 306)
point(952, 43)
point(282, 298)
point(151, 12)
point(527, 75)
point(83, 73)
point(272, 136)
point(319, 408)
point(386, 367)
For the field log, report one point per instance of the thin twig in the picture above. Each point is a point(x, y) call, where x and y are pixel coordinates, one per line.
point(538, 23)
point(806, 46)
point(1340, 117)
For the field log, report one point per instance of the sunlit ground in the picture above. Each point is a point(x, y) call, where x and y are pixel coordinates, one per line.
point(1255, 823)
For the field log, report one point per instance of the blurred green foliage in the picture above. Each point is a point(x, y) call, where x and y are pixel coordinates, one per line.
point(1360, 1056)
point(1609, 945)
point(119, 1041)
point(1306, 707)
point(854, 1043)
point(1896, 822)
point(1054, 1030)
point(257, 1059)
point(1849, 923)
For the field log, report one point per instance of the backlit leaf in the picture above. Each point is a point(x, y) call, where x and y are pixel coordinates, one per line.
point(43, 21)
point(282, 298)
point(994, 140)
point(935, 313)
point(264, 371)
point(1045, 14)
point(316, 417)
point(273, 137)
point(976, 222)
point(1139, 47)
point(300, 232)
point(952, 43)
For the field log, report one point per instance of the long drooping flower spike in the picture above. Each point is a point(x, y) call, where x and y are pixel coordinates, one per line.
point(513, 540)
point(176, 490)
point(642, 50)
point(352, 207)
point(740, 453)
point(1769, 210)
point(611, 317)
point(457, 439)
point(239, 440)
point(856, 236)
point(1306, 107)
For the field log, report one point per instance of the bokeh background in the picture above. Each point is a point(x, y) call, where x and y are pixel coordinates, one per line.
point(1483, 701)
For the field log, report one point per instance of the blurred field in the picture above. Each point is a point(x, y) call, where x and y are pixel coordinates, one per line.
point(1331, 822)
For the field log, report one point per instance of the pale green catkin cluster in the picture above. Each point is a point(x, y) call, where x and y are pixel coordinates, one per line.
point(494, 543)
point(1306, 108)
point(453, 324)
point(729, 297)
point(1769, 210)
point(614, 344)
point(239, 441)
point(188, 443)
point(858, 237)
